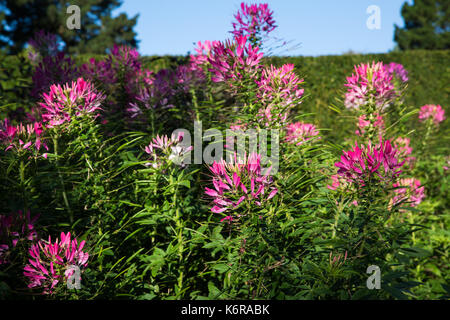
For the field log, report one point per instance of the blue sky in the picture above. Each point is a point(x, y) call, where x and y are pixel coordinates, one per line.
point(322, 27)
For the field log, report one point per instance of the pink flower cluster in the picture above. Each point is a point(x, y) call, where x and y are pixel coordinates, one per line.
point(238, 182)
point(203, 51)
point(14, 228)
point(234, 60)
point(77, 99)
point(254, 20)
point(163, 149)
point(363, 165)
point(431, 111)
point(404, 150)
point(298, 133)
point(408, 190)
point(369, 84)
point(397, 71)
point(378, 125)
point(22, 137)
point(50, 262)
point(279, 91)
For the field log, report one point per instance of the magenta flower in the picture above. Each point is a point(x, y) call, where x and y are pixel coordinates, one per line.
point(15, 228)
point(78, 99)
point(237, 183)
point(279, 92)
point(203, 51)
point(234, 61)
point(365, 165)
point(298, 133)
point(398, 71)
point(369, 84)
point(255, 21)
point(431, 111)
point(50, 262)
point(408, 190)
point(22, 137)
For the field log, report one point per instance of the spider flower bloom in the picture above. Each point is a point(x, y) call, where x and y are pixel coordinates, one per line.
point(254, 20)
point(409, 190)
point(13, 229)
point(50, 262)
point(298, 133)
point(234, 61)
point(362, 165)
point(431, 111)
point(7, 131)
point(22, 137)
point(404, 150)
point(77, 99)
point(397, 71)
point(239, 182)
point(279, 91)
point(203, 51)
point(163, 149)
point(369, 84)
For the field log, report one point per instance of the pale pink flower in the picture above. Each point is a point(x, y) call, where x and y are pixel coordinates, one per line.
point(404, 150)
point(408, 190)
point(279, 92)
point(298, 133)
point(431, 111)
